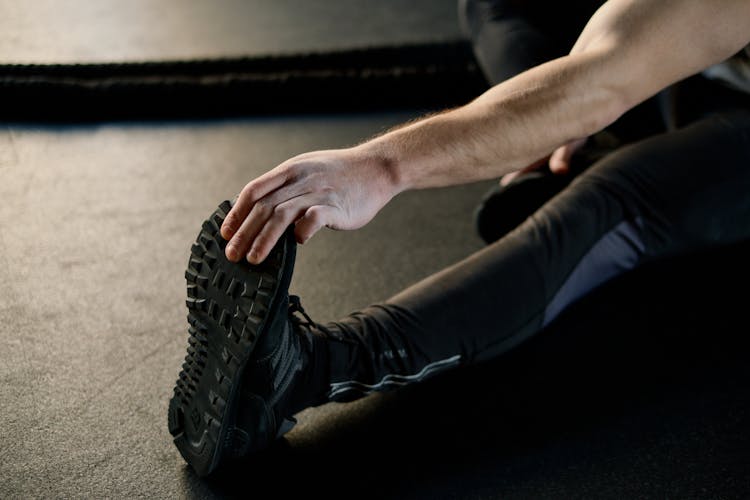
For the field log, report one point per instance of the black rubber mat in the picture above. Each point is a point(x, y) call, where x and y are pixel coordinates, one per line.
point(639, 391)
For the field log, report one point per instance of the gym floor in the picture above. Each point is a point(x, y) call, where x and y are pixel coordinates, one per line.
point(638, 391)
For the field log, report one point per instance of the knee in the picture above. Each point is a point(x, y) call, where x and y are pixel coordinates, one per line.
point(474, 14)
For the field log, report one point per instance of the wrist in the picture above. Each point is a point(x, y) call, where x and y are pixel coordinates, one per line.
point(379, 156)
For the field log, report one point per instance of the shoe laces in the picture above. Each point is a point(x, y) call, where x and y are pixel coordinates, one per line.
point(295, 306)
point(305, 322)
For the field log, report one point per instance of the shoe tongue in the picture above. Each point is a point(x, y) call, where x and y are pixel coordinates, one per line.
point(269, 338)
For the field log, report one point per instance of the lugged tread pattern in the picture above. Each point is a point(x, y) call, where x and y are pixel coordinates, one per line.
point(228, 305)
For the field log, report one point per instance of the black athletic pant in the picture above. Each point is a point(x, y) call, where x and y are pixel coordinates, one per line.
point(667, 194)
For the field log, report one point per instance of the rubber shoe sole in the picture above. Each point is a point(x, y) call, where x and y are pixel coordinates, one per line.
point(229, 305)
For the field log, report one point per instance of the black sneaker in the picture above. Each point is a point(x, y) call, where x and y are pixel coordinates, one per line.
point(503, 208)
point(242, 353)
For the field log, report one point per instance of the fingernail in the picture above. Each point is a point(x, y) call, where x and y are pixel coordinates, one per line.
point(231, 253)
point(252, 256)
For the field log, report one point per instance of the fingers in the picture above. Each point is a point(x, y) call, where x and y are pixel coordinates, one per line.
point(269, 219)
point(277, 204)
point(242, 238)
point(283, 215)
point(559, 162)
point(314, 218)
point(508, 178)
point(248, 197)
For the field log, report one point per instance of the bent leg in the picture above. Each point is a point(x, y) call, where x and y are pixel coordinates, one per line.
point(511, 36)
point(663, 196)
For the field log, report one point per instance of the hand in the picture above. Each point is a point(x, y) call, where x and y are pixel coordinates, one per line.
point(559, 161)
point(339, 189)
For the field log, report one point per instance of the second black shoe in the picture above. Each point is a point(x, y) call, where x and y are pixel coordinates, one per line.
point(503, 208)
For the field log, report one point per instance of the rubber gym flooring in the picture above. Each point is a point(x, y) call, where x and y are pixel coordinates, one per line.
point(640, 390)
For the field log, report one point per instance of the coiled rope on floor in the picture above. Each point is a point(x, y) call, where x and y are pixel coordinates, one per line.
point(420, 76)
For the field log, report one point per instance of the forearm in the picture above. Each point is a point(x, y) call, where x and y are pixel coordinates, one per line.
point(506, 128)
point(630, 50)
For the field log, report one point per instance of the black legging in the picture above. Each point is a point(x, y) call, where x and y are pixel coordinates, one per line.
point(511, 36)
point(671, 193)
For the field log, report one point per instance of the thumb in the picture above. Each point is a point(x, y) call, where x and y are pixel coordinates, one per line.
point(315, 218)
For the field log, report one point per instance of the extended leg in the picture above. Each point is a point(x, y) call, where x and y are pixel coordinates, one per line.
point(665, 195)
point(252, 362)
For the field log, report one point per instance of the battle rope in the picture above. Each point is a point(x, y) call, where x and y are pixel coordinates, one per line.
point(425, 76)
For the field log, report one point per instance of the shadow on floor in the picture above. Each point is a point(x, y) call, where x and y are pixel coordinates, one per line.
point(638, 390)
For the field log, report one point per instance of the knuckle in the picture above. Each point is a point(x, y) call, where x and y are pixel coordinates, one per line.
point(328, 191)
point(247, 192)
point(281, 210)
point(289, 171)
point(263, 205)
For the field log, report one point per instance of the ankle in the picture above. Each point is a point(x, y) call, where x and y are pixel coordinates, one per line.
point(311, 383)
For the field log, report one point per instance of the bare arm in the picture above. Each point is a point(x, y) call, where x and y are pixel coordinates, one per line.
point(629, 50)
